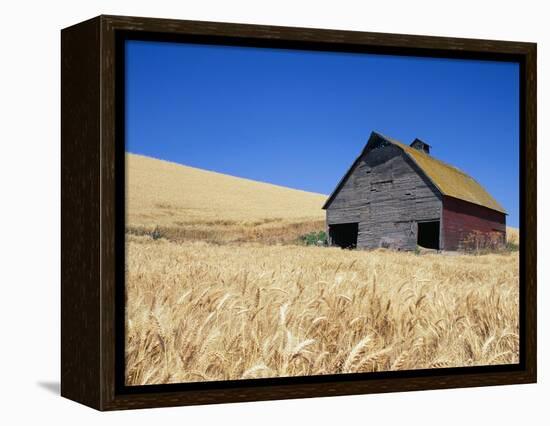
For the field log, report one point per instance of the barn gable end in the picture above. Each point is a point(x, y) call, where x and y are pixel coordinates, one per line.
point(386, 195)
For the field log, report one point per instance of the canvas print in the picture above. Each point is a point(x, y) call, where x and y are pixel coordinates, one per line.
point(300, 213)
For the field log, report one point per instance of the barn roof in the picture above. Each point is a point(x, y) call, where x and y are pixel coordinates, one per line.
point(448, 179)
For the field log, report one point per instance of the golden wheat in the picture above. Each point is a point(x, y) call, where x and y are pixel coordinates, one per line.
point(198, 311)
point(214, 295)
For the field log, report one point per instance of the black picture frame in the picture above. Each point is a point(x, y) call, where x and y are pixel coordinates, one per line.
point(92, 205)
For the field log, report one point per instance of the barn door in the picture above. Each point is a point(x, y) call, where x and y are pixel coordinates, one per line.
point(428, 234)
point(344, 235)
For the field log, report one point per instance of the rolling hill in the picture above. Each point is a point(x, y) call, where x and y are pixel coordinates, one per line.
point(184, 203)
point(169, 192)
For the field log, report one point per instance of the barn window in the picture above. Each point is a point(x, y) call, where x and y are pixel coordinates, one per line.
point(428, 234)
point(344, 235)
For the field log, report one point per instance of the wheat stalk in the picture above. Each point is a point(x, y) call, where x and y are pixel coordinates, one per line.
point(356, 353)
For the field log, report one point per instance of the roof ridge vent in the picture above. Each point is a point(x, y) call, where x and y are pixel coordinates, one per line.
point(421, 146)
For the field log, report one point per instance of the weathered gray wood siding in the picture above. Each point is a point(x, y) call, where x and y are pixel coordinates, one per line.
point(387, 195)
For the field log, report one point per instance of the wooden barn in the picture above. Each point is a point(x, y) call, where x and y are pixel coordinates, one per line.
point(399, 196)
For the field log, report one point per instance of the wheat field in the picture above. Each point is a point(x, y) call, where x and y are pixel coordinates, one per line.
point(218, 288)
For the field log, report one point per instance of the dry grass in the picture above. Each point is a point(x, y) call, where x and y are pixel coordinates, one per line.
point(269, 231)
point(216, 296)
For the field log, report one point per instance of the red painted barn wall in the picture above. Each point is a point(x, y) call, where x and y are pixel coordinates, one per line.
point(461, 218)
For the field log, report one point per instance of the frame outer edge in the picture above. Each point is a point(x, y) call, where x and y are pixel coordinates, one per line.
point(108, 216)
point(80, 210)
point(108, 399)
point(530, 191)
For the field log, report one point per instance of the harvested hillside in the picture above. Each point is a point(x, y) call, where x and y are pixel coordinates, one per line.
point(184, 203)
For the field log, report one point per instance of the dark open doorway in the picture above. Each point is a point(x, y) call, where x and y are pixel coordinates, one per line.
point(428, 234)
point(344, 235)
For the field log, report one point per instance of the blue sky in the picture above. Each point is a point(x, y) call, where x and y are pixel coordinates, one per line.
point(299, 119)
